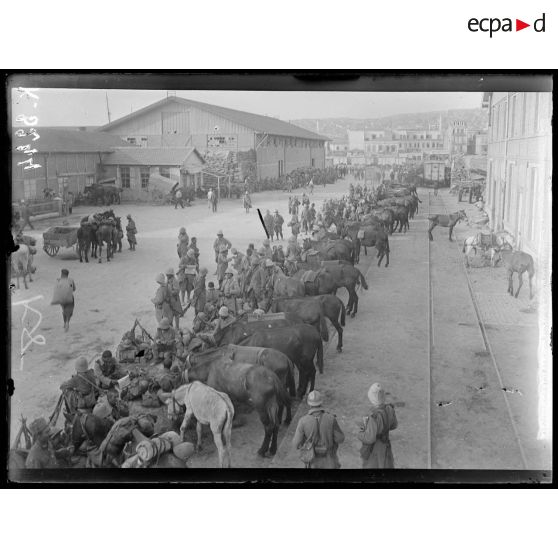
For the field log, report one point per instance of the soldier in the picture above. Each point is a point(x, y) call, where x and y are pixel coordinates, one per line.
point(111, 407)
point(219, 243)
point(293, 249)
point(294, 224)
point(230, 290)
point(187, 274)
point(268, 222)
point(259, 282)
point(182, 246)
point(41, 455)
point(131, 232)
point(374, 431)
point(198, 298)
point(165, 339)
point(319, 433)
point(222, 264)
point(280, 256)
point(26, 215)
point(173, 288)
point(82, 387)
point(200, 324)
point(161, 300)
point(107, 370)
point(304, 218)
point(194, 246)
point(278, 225)
point(223, 321)
point(65, 288)
point(211, 294)
point(247, 201)
point(266, 249)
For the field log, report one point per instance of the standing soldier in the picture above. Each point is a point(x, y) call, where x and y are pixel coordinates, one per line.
point(220, 242)
point(173, 289)
point(280, 256)
point(198, 298)
point(258, 283)
point(178, 199)
point(290, 205)
point(278, 225)
point(311, 216)
point(182, 246)
point(64, 295)
point(247, 201)
point(161, 301)
point(296, 203)
point(268, 222)
point(304, 218)
point(294, 224)
point(374, 431)
point(318, 435)
point(194, 246)
point(311, 185)
point(222, 264)
point(187, 267)
point(131, 232)
point(230, 290)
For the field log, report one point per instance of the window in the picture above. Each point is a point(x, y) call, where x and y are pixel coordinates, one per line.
point(30, 189)
point(164, 171)
point(89, 180)
point(144, 174)
point(133, 141)
point(125, 177)
point(281, 169)
point(143, 141)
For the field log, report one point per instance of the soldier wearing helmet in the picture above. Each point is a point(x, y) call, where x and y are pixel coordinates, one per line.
point(230, 290)
point(131, 232)
point(187, 267)
point(107, 370)
point(194, 246)
point(198, 297)
point(173, 288)
point(183, 239)
point(81, 389)
point(219, 243)
point(222, 264)
point(165, 339)
point(223, 320)
point(161, 300)
point(267, 252)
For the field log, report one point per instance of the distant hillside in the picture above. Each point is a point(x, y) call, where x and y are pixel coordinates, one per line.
point(337, 127)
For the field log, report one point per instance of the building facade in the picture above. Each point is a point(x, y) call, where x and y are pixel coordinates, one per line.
point(519, 168)
point(274, 147)
point(65, 161)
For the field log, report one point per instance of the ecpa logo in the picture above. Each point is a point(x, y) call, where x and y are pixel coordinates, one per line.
point(494, 24)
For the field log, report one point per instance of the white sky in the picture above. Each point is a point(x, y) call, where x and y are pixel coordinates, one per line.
point(87, 107)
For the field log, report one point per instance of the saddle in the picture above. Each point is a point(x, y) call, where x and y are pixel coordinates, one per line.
point(309, 276)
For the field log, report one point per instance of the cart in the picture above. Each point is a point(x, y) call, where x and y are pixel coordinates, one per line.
point(470, 188)
point(59, 237)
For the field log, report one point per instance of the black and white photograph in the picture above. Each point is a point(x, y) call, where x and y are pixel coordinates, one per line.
point(270, 279)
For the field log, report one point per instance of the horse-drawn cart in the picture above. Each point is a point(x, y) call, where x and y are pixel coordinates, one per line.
point(59, 237)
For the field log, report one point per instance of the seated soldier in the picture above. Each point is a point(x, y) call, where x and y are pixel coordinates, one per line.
point(43, 454)
point(81, 388)
point(165, 340)
point(107, 370)
point(222, 321)
point(210, 311)
point(201, 324)
point(211, 294)
point(110, 407)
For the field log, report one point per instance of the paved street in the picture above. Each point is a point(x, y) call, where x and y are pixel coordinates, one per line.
point(428, 352)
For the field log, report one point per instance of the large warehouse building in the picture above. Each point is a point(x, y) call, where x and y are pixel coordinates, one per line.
point(262, 146)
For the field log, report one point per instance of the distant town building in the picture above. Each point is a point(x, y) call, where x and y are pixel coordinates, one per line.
point(455, 140)
point(519, 170)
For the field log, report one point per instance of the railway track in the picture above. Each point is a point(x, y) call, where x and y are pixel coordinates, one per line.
point(486, 420)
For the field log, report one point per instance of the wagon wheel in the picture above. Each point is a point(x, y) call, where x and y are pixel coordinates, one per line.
point(51, 249)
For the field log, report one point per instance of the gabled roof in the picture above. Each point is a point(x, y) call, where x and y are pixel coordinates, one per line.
point(152, 156)
point(256, 122)
point(59, 140)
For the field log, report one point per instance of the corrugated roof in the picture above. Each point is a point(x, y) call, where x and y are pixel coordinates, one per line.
point(151, 156)
point(58, 140)
point(256, 122)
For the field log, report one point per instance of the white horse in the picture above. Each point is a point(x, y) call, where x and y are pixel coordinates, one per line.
point(208, 406)
point(22, 263)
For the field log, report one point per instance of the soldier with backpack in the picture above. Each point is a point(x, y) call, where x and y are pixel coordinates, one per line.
point(318, 436)
point(374, 431)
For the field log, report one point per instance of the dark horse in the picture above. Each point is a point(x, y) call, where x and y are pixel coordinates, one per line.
point(445, 221)
point(331, 249)
point(106, 233)
point(301, 343)
point(82, 427)
point(245, 383)
point(85, 236)
point(334, 277)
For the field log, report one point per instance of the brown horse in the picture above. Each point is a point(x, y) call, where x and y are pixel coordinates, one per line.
point(82, 427)
point(301, 343)
point(106, 233)
point(245, 383)
point(331, 249)
point(378, 237)
point(308, 310)
point(448, 221)
point(335, 277)
point(85, 235)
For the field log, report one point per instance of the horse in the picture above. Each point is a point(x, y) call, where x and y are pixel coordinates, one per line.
point(331, 250)
point(85, 235)
point(119, 235)
point(518, 262)
point(445, 221)
point(401, 218)
point(86, 427)
point(334, 277)
point(300, 342)
point(285, 286)
point(209, 407)
point(386, 216)
point(314, 308)
point(493, 242)
point(105, 234)
point(244, 383)
point(22, 263)
point(378, 237)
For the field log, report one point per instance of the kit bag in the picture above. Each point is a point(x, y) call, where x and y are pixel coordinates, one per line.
point(308, 450)
point(63, 293)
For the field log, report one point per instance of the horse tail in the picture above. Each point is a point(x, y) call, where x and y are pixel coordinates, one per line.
point(280, 400)
point(323, 328)
point(321, 356)
point(343, 312)
point(227, 425)
point(290, 379)
point(362, 279)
